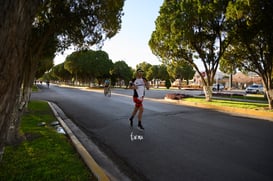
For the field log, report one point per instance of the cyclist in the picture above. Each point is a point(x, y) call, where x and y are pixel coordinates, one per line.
point(106, 86)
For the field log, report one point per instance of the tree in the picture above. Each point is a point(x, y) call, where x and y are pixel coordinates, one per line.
point(163, 73)
point(144, 66)
point(121, 71)
point(168, 83)
point(74, 64)
point(87, 65)
point(253, 45)
point(181, 70)
point(27, 29)
point(16, 19)
point(44, 64)
point(153, 74)
point(190, 31)
point(228, 64)
point(58, 72)
point(156, 73)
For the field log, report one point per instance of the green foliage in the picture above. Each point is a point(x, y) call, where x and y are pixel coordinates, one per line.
point(252, 45)
point(191, 31)
point(168, 83)
point(121, 71)
point(153, 72)
point(90, 23)
point(144, 66)
point(163, 73)
point(86, 65)
point(181, 70)
point(230, 61)
point(45, 154)
point(44, 64)
point(58, 72)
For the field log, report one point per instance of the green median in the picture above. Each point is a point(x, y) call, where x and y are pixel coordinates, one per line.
point(243, 103)
point(45, 154)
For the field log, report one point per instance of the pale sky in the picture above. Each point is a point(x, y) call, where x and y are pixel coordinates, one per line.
point(131, 43)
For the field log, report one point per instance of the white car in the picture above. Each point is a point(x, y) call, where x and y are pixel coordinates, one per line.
point(255, 89)
point(215, 87)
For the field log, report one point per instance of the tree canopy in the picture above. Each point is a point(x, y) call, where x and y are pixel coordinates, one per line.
point(35, 31)
point(190, 31)
point(252, 47)
point(87, 65)
point(181, 70)
point(121, 71)
point(90, 21)
point(58, 72)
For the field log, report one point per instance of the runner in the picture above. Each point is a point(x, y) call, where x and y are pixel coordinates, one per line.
point(138, 84)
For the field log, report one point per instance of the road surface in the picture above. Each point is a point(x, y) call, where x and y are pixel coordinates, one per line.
point(179, 142)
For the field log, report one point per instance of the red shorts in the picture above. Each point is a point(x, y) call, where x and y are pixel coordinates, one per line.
point(138, 102)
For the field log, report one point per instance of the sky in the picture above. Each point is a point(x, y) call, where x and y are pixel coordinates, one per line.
point(131, 43)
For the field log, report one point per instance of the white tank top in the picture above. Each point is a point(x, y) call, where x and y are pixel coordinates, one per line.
point(140, 87)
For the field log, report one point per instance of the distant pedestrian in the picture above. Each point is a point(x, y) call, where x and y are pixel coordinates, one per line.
point(138, 85)
point(47, 83)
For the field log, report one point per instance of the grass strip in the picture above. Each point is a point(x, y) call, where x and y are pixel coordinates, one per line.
point(45, 154)
point(230, 103)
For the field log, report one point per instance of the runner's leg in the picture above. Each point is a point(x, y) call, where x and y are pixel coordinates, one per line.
point(134, 113)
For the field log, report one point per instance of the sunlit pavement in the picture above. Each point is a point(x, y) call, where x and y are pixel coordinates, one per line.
point(187, 136)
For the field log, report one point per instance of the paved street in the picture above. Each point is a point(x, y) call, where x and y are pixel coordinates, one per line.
point(179, 142)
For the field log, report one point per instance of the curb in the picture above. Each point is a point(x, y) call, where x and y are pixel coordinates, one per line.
point(88, 159)
point(238, 111)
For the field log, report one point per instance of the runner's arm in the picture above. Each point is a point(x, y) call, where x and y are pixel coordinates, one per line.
point(132, 85)
point(147, 85)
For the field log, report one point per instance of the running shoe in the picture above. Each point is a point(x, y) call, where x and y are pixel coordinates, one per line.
point(140, 127)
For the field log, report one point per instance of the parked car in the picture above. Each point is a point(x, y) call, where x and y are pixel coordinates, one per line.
point(215, 87)
point(255, 89)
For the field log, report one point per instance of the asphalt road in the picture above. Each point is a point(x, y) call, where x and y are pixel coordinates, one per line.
point(179, 142)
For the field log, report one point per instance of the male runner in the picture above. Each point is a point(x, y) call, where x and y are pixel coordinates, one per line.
point(138, 84)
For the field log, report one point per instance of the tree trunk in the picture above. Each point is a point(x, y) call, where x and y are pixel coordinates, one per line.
point(269, 95)
point(230, 82)
point(29, 70)
point(16, 19)
point(12, 136)
point(268, 86)
point(207, 82)
point(208, 92)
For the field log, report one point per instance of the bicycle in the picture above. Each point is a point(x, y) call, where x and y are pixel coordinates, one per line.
point(107, 91)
